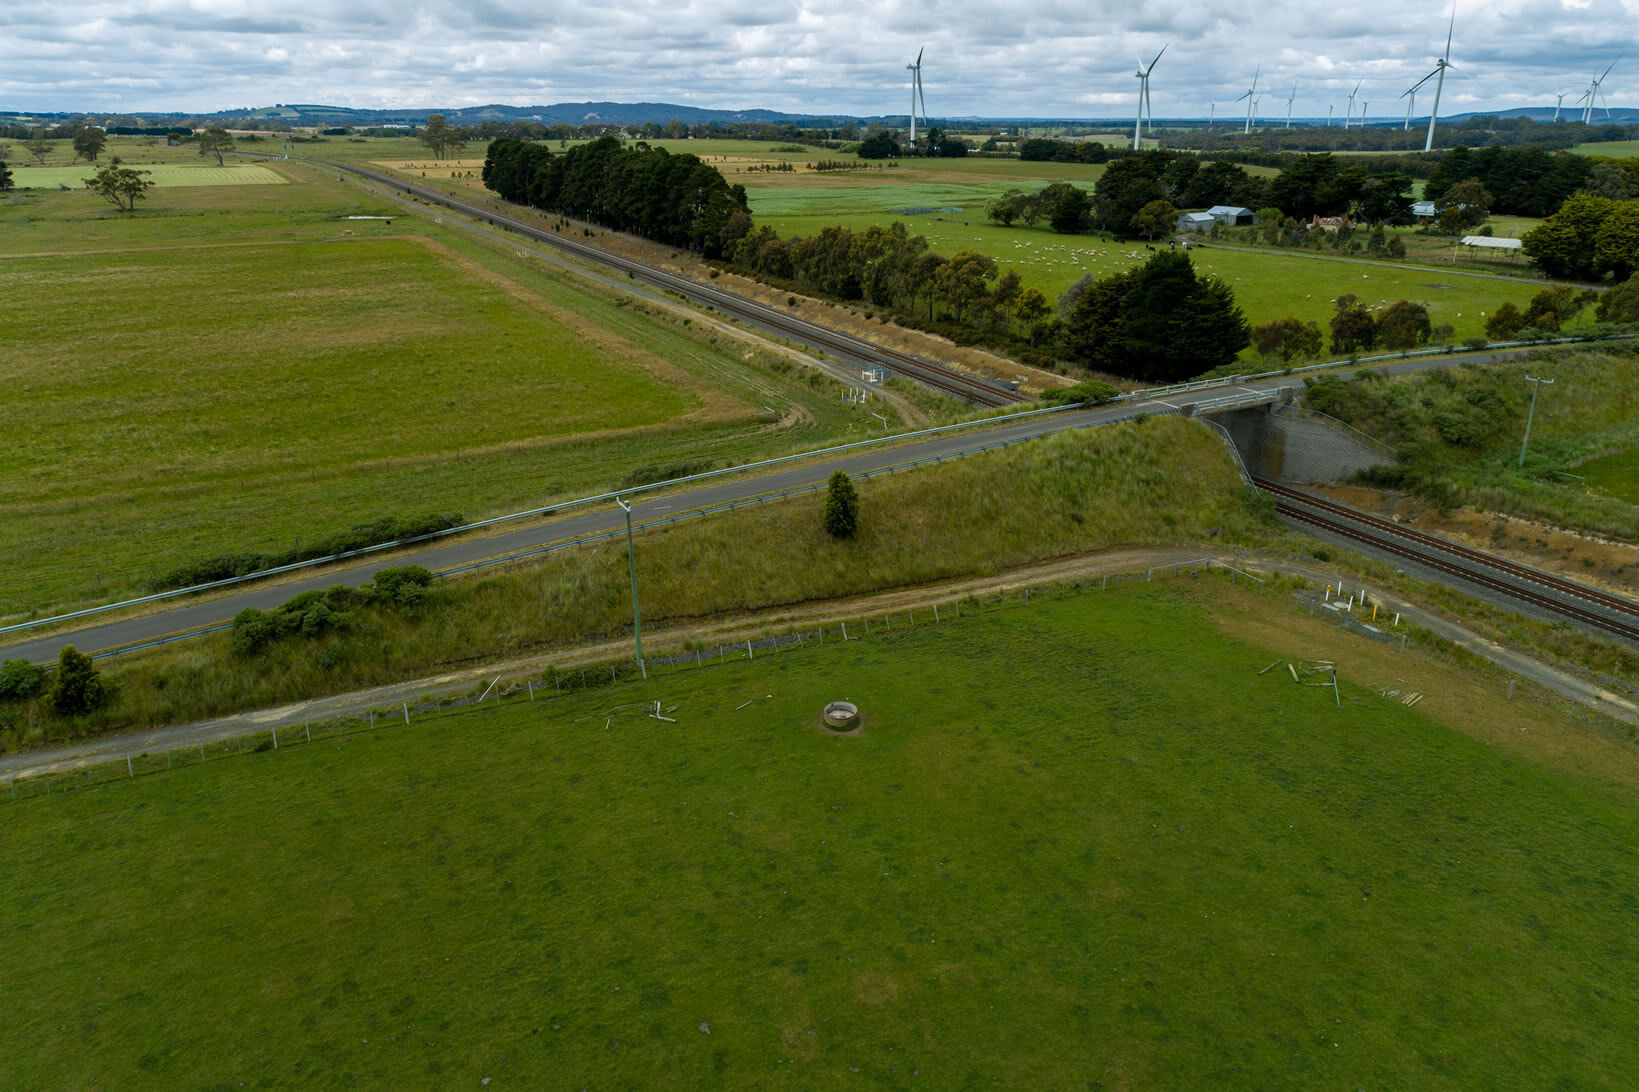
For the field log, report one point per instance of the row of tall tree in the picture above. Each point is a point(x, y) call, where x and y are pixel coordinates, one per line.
point(1588, 238)
point(673, 199)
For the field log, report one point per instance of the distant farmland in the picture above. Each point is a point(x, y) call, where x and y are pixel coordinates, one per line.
point(162, 174)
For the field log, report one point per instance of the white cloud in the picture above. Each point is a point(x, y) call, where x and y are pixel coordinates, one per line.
point(1047, 58)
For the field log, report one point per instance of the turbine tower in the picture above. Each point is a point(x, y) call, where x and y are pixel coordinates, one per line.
point(1251, 91)
point(1348, 116)
point(1559, 97)
point(916, 91)
point(1289, 100)
point(1440, 71)
point(1143, 75)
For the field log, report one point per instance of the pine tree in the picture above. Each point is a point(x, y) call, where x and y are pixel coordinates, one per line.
point(78, 687)
point(841, 506)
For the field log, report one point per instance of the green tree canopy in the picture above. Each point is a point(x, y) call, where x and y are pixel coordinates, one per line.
point(879, 146)
point(38, 146)
point(89, 142)
point(1155, 219)
point(1620, 304)
point(1566, 243)
point(215, 141)
point(1158, 322)
point(1404, 324)
point(5, 177)
point(121, 187)
point(1288, 339)
point(1353, 327)
point(78, 688)
point(440, 136)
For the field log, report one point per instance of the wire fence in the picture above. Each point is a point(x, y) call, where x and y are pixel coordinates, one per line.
point(1350, 607)
point(554, 682)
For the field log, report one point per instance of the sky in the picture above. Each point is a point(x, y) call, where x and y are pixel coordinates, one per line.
point(993, 58)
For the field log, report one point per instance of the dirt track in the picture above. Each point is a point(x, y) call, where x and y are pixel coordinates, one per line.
point(739, 627)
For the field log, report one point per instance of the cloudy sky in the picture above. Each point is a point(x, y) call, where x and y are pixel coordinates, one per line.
point(1043, 58)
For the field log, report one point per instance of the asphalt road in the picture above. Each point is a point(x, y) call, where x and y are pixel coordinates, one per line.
point(190, 615)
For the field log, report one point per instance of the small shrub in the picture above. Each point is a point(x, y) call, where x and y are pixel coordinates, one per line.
point(20, 679)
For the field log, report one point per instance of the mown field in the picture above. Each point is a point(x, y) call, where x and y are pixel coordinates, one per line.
point(1616, 149)
point(1080, 842)
point(162, 174)
point(235, 368)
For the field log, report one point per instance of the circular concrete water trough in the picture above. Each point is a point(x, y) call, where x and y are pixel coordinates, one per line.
point(841, 716)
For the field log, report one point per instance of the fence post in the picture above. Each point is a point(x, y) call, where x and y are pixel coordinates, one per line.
point(275, 737)
point(531, 683)
point(749, 656)
point(936, 612)
point(308, 733)
point(130, 769)
point(201, 752)
point(845, 631)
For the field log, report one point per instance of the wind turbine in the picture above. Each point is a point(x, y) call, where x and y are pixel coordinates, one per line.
point(1410, 95)
point(1559, 97)
point(1594, 94)
point(1143, 75)
point(1349, 116)
point(916, 91)
point(1289, 100)
point(1211, 116)
point(1251, 91)
point(1365, 108)
point(1330, 106)
point(1440, 67)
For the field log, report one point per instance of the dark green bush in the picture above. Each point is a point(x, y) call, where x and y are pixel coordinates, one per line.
point(20, 679)
point(78, 687)
point(358, 537)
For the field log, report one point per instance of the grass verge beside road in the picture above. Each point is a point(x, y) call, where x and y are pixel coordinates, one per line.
point(1165, 479)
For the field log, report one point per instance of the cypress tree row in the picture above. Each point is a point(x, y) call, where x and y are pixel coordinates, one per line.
point(673, 199)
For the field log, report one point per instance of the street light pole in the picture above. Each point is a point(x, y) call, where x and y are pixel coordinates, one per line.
point(1531, 415)
point(631, 562)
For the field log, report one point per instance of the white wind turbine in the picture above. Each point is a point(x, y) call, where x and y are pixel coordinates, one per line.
point(1143, 75)
point(1440, 67)
point(1559, 97)
point(1410, 95)
point(1289, 100)
point(1595, 96)
point(1349, 115)
point(916, 92)
point(1249, 93)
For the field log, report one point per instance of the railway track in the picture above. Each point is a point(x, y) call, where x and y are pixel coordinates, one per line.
point(858, 350)
point(1610, 613)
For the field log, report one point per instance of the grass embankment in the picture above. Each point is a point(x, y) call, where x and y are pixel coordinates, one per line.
point(1161, 480)
point(1462, 427)
point(1079, 842)
point(182, 398)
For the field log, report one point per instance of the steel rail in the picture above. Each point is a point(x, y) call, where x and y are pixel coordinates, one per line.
point(843, 344)
point(1518, 581)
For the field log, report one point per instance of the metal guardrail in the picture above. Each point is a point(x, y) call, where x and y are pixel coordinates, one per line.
point(658, 523)
point(346, 555)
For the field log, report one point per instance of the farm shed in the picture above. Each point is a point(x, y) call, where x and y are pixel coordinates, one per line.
point(1196, 221)
point(1230, 215)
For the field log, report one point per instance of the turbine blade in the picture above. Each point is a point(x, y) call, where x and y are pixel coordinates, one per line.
point(1450, 28)
point(1158, 55)
point(919, 53)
